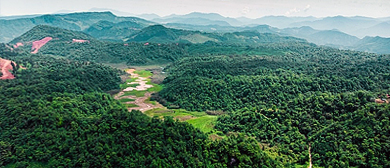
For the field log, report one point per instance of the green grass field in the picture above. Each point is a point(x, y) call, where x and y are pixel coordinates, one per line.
point(131, 105)
point(205, 123)
point(143, 73)
point(125, 100)
point(155, 88)
point(150, 102)
point(198, 119)
point(126, 84)
point(134, 93)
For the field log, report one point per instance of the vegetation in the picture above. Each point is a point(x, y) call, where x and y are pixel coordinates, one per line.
point(311, 96)
point(54, 114)
point(198, 119)
point(248, 100)
point(146, 53)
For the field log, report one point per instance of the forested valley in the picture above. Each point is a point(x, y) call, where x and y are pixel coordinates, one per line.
point(55, 113)
point(315, 97)
point(279, 101)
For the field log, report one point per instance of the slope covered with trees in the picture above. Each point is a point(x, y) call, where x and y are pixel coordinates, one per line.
point(73, 21)
point(311, 96)
point(137, 53)
point(106, 30)
point(55, 114)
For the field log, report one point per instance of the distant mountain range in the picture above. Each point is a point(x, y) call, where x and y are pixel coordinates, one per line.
point(11, 29)
point(356, 26)
point(340, 32)
point(161, 34)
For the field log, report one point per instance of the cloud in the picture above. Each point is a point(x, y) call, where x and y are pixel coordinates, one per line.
point(306, 8)
point(297, 10)
point(245, 10)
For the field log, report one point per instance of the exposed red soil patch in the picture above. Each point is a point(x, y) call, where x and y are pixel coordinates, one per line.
point(5, 66)
point(36, 45)
point(80, 41)
point(215, 137)
point(380, 101)
point(18, 45)
point(9, 47)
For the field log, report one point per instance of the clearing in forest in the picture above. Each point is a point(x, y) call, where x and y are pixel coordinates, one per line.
point(137, 91)
point(6, 67)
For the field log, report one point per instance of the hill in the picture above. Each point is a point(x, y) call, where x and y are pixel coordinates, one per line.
point(333, 37)
point(380, 29)
point(73, 21)
point(197, 18)
point(296, 103)
point(57, 113)
point(105, 30)
point(160, 34)
point(377, 44)
point(348, 25)
point(42, 31)
point(48, 37)
point(80, 46)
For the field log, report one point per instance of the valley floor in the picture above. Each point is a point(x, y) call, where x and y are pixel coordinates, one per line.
point(138, 93)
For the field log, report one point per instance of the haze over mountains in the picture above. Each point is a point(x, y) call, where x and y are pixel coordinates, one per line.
point(338, 31)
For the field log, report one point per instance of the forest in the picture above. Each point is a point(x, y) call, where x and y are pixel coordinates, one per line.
point(279, 102)
point(56, 114)
point(313, 96)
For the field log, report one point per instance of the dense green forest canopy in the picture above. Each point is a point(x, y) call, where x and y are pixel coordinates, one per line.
point(310, 96)
point(151, 52)
point(55, 114)
point(284, 98)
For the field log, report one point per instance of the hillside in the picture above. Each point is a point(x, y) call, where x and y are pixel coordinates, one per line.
point(42, 31)
point(105, 30)
point(296, 104)
point(332, 38)
point(73, 21)
point(381, 29)
point(377, 44)
point(161, 34)
point(57, 113)
point(197, 18)
point(255, 96)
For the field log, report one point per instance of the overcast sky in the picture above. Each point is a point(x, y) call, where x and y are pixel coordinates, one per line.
point(229, 8)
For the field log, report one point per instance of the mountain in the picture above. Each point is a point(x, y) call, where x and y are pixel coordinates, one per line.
point(18, 17)
point(381, 29)
point(263, 29)
point(376, 44)
point(150, 16)
point(348, 25)
point(201, 19)
point(161, 34)
point(254, 37)
point(279, 21)
point(115, 12)
point(193, 21)
point(203, 28)
point(73, 21)
point(333, 38)
point(42, 31)
point(106, 30)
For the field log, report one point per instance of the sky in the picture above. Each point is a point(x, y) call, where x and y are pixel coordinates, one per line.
point(228, 8)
